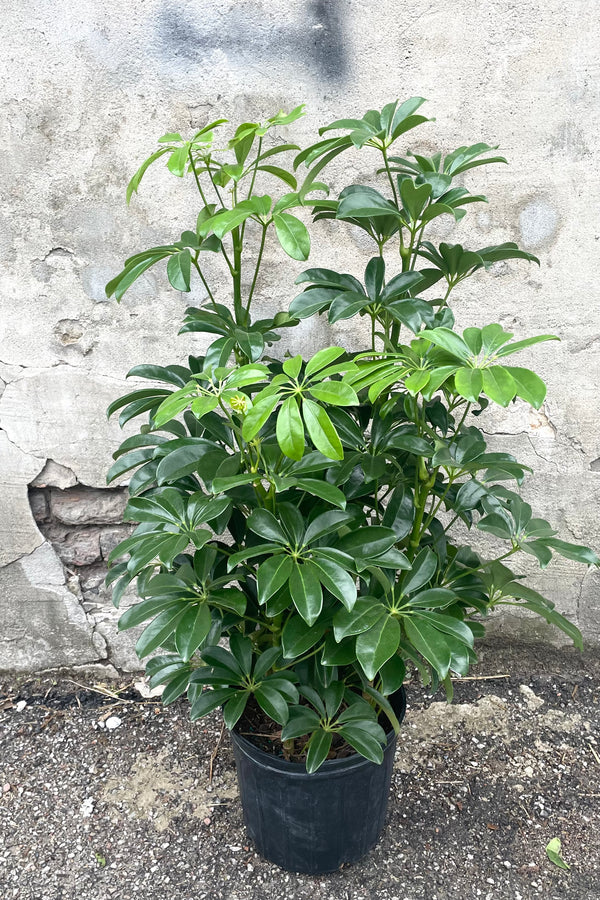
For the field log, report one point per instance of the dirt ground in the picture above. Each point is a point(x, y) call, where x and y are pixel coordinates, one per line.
point(106, 794)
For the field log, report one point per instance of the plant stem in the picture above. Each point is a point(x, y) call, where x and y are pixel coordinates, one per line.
point(204, 282)
point(237, 276)
point(389, 174)
point(258, 262)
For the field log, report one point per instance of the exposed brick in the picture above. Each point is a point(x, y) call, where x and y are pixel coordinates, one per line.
point(80, 548)
point(88, 506)
point(39, 505)
point(110, 537)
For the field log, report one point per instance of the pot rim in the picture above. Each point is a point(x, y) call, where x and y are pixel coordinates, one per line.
point(329, 767)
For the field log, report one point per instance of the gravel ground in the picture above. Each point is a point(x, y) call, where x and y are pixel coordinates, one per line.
point(105, 794)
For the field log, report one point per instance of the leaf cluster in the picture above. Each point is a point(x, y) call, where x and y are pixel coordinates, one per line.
point(294, 537)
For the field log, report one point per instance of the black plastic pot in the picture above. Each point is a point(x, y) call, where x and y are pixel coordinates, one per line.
point(314, 823)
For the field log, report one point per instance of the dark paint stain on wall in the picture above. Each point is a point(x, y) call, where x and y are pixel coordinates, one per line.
point(248, 36)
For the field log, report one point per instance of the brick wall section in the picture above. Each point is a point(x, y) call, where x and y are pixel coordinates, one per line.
point(83, 525)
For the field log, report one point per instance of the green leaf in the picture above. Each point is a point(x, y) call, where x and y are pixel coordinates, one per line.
point(178, 160)
point(209, 700)
point(375, 646)
point(469, 383)
point(499, 385)
point(178, 270)
point(366, 612)
point(361, 739)
point(241, 649)
point(346, 305)
point(311, 301)
point(282, 174)
point(553, 853)
point(264, 662)
point(327, 523)
point(530, 386)
point(258, 415)
point(293, 366)
point(392, 675)
point(322, 489)
point(140, 612)
point(157, 545)
point(576, 552)
point(321, 430)
point(174, 404)
point(337, 581)
point(449, 625)
point(233, 709)
point(298, 637)
point(447, 340)
point(337, 393)
point(176, 687)
point(272, 574)
point(414, 198)
point(322, 359)
point(527, 342)
point(365, 203)
point(303, 720)
point(318, 748)
point(159, 630)
point(368, 542)
point(434, 598)
point(192, 629)
point(292, 235)
point(290, 429)
point(430, 643)
point(265, 525)
point(134, 184)
point(305, 590)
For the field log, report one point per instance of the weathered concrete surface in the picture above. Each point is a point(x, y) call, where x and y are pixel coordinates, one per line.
point(87, 89)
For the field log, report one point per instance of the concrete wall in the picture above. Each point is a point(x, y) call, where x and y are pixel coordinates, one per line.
point(90, 86)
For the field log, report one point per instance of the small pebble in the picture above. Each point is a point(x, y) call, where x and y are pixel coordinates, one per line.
point(206, 821)
point(20, 706)
point(113, 722)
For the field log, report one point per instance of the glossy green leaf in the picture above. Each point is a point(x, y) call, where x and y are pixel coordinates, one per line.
point(530, 386)
point(292, 235)
point(192, 629)
point(366, 612)
point(290, 429)
point(178, 270)
point(305, 591)
point(321, 430)
point(159, 630)
point(318, 748)
point(375, 646)
point(499, 385)
point(469, 383)
point(265, 525)
point(209, 700)
point(368, 542)
point(337, 393)
point(430, 643)
point(303, 720)
point(272, 574)
point(257, 416)
point(298, 637)
point(336, 580)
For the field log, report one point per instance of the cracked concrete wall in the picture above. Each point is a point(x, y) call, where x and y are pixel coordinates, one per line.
point(88, 88)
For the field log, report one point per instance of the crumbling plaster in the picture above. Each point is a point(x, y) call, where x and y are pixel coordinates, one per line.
point(87, 89)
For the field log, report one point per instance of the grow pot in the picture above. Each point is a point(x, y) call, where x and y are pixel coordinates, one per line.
point(314, 823)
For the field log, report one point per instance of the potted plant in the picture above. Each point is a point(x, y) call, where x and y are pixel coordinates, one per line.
point(295, 545)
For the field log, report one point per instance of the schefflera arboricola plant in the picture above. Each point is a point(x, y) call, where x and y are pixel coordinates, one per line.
point(303, 509)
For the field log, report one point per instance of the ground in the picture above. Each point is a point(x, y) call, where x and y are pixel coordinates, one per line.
point(106, 794)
